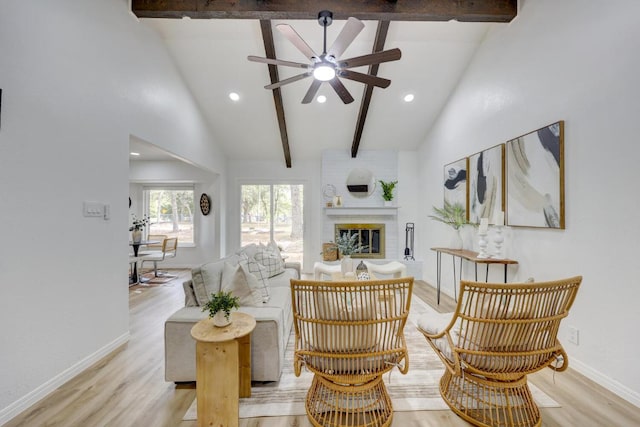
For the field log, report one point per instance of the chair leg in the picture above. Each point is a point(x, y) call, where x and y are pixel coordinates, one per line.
point(155, 268)
point(490, 403)
point(337, 405)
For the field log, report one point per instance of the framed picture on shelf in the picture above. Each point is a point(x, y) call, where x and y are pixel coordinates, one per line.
point(456, 183)
point(486, 184)
point(535, 178)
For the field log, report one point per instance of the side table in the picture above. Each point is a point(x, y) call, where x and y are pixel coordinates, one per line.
point(223, 368)
point(469, 256)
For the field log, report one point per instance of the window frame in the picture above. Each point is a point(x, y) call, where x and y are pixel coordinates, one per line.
point(174, 187)
point(271, 183)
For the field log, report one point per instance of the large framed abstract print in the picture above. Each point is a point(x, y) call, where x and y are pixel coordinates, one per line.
point(486, 184)
point(455, 183)
point(535, 178)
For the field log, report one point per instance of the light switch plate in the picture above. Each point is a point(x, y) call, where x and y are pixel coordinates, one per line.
point(93, 209)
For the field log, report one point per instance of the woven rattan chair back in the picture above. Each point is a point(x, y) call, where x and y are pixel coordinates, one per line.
point(498, 335)
point(510, 330)
point(349, 334)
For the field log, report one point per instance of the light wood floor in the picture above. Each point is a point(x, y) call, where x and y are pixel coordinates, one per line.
point(128, 388)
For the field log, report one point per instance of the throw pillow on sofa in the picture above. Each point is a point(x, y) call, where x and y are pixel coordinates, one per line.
point(242, 284)
point(207, 278)
point(248, 251)
point(206, 281)
point(272, 262)
point(260, 272)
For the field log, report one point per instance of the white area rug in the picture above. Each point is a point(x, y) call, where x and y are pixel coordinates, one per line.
point(416, 391)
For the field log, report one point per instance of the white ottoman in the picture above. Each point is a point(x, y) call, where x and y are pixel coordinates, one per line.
point(394, 268)
point(320, 268)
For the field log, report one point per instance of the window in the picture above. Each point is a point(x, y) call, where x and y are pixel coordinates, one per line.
point(171, 212)
point(273, 212)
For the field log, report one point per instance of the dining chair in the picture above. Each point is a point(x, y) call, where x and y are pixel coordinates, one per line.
point(348, 334)
point(499, 334)
point(155, 245)
point(168, 250)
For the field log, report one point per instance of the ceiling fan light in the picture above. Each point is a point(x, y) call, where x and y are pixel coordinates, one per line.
point(321, 99)
point(324, 73)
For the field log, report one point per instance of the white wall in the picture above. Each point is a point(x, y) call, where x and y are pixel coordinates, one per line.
point(78, 79)
point(575, 61)
point(336, 167)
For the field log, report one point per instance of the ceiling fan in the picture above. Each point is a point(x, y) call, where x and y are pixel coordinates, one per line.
point(327, 67)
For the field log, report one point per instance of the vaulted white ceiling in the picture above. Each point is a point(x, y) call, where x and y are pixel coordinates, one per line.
point(211, 55)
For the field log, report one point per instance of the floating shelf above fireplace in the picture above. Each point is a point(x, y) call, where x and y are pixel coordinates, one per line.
point(378, 210)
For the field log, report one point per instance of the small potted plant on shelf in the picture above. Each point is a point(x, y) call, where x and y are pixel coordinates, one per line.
point(455, 216)
point(387, 191)
point(220, 306)
point(137, 225)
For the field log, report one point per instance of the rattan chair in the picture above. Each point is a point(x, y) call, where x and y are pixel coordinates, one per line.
point(498, 335)
point(349, 334)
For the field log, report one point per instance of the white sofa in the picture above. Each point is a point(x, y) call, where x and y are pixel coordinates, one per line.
point(268, 340)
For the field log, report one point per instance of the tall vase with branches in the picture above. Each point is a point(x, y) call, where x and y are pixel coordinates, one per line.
point(455, 216)
point(348, 245)
point(137, 225)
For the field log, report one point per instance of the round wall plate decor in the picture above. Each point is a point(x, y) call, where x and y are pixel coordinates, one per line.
point(205, 204)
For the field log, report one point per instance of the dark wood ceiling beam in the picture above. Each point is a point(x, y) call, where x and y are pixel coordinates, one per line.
point(378, 46)
point(378, 10)
point(270, 52)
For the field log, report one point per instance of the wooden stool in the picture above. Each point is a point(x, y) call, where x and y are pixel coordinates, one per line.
point(223, 368)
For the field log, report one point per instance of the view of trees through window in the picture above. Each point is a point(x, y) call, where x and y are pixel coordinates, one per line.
point(273, 212)
point(171, 212)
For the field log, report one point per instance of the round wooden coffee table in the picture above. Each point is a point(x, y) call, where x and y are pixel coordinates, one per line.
point(223, 368)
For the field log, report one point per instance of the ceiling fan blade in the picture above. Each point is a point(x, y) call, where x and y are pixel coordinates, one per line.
point(365, 78)
point(342, 91)
point(372, 58)
point(349, 32)
point(311, 93)
point(287, 81)
point(277, 62)
point(288, 31)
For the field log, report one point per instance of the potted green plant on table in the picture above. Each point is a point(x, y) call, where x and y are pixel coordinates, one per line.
point(455, 216)
point(387, 190)
point(220, 306)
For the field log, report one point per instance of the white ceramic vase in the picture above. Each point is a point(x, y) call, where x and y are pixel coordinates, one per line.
point(456, 240)
point(136, 236)
point(220, 320)
point(346, 265)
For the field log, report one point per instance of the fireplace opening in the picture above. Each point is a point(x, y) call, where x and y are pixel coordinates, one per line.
point(369, 235)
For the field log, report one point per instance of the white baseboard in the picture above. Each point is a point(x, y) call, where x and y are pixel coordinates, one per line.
point(610, 384)
point(20, 405)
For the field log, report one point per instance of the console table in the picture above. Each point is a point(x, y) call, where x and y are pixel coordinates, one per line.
point(469, 256)
point(223, 368)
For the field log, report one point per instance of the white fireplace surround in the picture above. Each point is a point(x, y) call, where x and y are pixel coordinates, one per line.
point(371, 236)
point(365, 215)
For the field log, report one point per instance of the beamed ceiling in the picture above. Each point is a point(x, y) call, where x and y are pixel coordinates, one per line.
point(210, 41)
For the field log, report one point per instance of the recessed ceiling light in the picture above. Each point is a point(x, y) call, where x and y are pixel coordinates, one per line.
point(234, 96)
point(408, 98)
point(133, 153)
point(321, 99)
